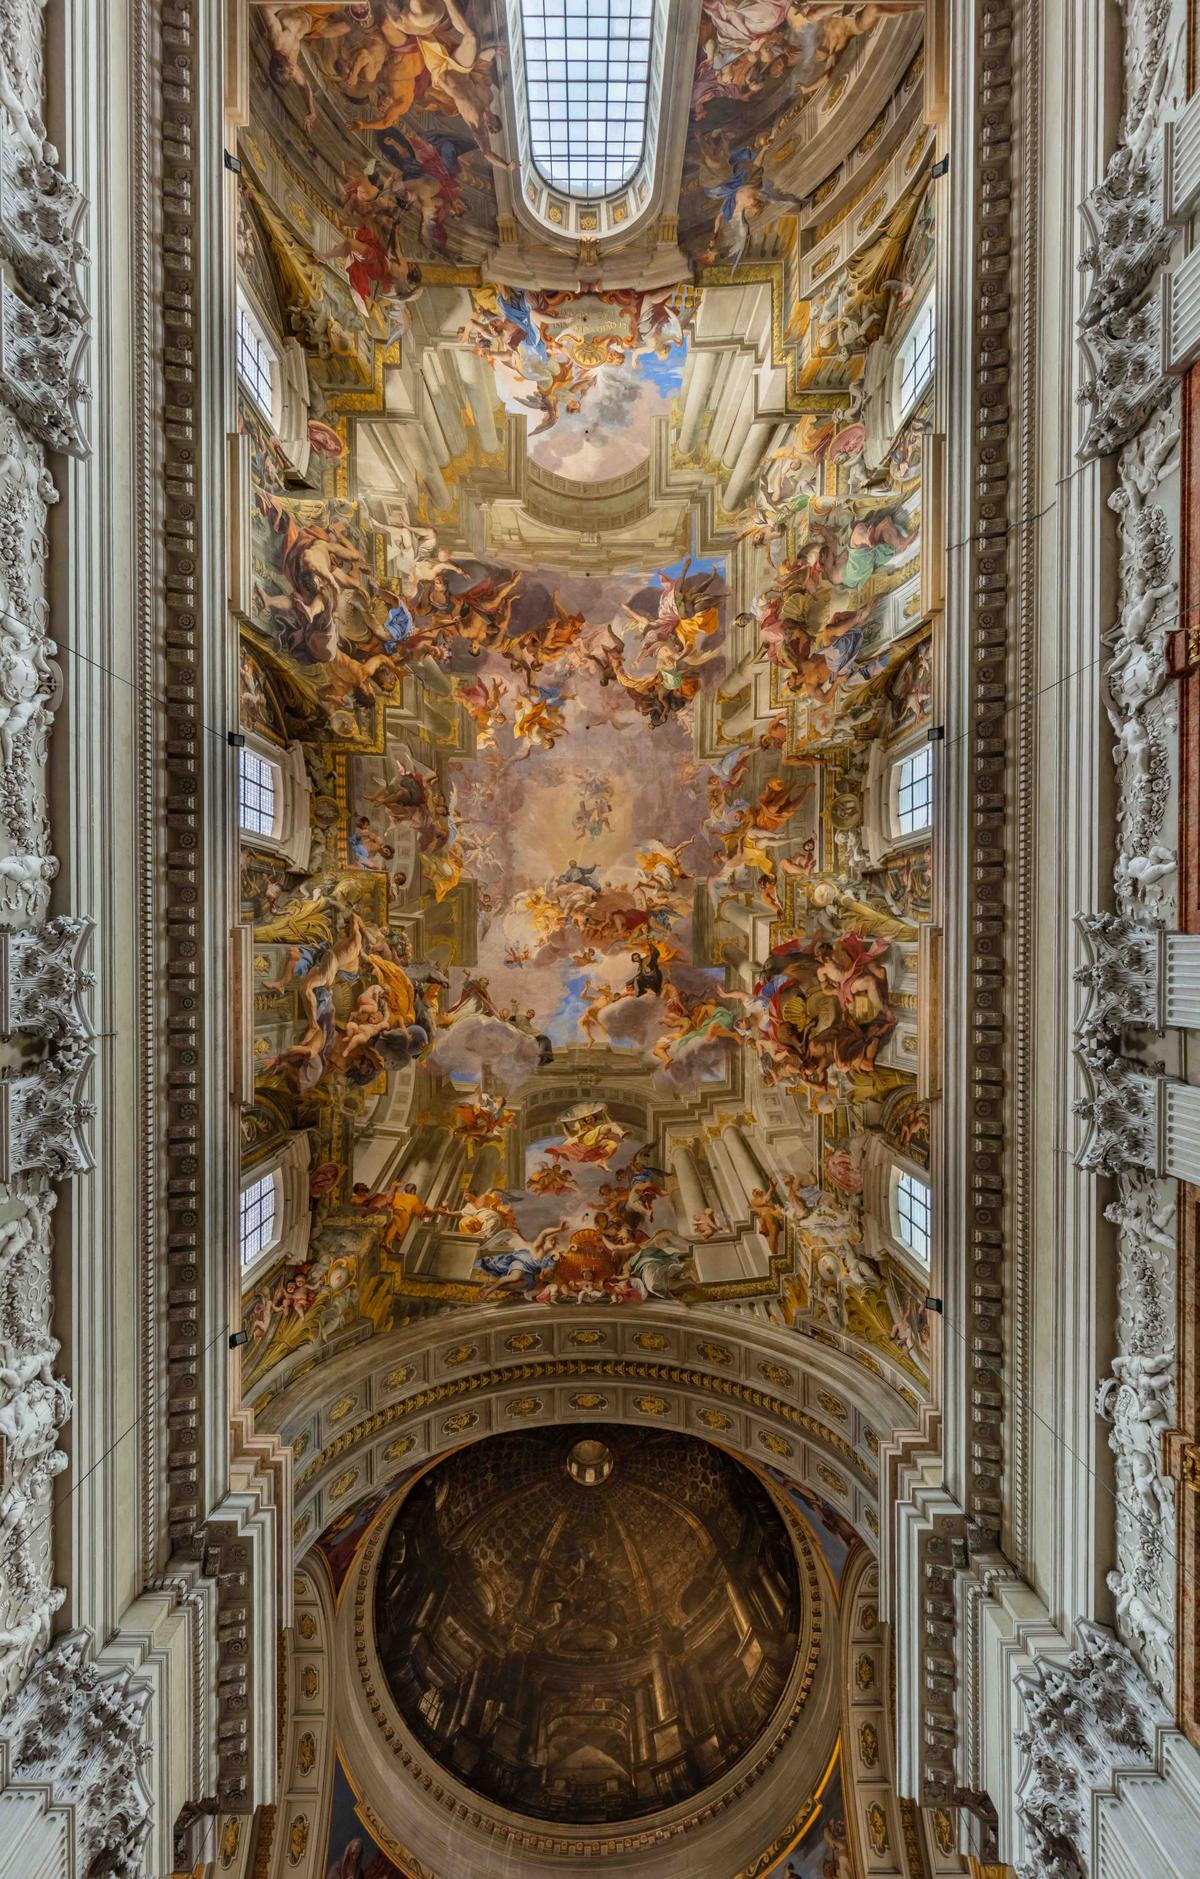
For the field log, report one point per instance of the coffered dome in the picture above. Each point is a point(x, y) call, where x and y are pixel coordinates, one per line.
point(588, 1624)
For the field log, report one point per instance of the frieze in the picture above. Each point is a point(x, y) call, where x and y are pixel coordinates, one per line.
point(987, 734)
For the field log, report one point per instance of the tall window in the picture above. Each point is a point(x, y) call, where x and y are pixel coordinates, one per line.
point(258, 793)
point(915, 359)
point(587, 66)
point(912, 803)
point(260, 1204)
point(913, 1215)
point(256, 361)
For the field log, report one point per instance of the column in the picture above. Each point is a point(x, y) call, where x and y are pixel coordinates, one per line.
point(691, 1198)
point(745, 466)
point(744, 1164)
point(702, 369)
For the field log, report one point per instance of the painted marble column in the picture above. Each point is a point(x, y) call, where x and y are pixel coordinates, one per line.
point(690, 1199)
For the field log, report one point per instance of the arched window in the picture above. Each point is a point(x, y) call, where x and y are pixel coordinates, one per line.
point(587, 73)
point(257, 361)
point(259, 1218)
point(912, 1214)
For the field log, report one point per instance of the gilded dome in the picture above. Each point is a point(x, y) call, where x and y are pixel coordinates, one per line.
point(588, 1624)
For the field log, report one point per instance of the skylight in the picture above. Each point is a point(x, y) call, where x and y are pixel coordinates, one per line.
point(587, 67)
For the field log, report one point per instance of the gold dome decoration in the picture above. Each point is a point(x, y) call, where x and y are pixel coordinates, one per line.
point(460, 1354)
point(775, 1444)
point(522, 1341)
point(714, 1353)
point(650, 1341)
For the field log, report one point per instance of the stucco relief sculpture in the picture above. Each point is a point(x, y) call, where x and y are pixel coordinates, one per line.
point(1136, 410)
point(43, 982)
point(1090, 1716)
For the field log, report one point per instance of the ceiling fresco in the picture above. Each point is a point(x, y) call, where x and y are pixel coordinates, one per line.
point(584, 628)
point(593, 1570)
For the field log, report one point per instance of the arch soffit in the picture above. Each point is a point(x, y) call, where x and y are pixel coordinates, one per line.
point(801, 1407)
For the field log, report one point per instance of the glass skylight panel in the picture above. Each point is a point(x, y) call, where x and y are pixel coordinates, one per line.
point(914, 792)
point(255, 359)
point(587, 70)
point(913, 1216)
point(256, 793)
point(257, 1218)
point(916, 359)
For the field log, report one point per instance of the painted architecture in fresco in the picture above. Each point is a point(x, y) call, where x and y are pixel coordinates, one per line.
point(587, 854)
point(587, 682)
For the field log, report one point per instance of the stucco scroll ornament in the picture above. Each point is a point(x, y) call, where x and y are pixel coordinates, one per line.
point(76, 1730)
point(1128, 240)
point(1144, 1213)
point(1119, 1110)
point(43, 979)
point(1091, 1716)
point(1122, 972)
point(46, 1115)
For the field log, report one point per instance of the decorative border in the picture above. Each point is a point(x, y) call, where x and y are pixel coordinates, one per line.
point(600, 1369)
point(989, 559)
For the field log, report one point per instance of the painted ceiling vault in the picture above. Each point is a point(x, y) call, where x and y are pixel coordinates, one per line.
point(586, 808)
point(584, 623)
point(586, 682)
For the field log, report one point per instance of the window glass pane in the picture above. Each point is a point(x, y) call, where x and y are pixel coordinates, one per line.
point(588, 127)
point(255, 359)
point(258, 1218)
point(915, 362)
point(257, 793)
point(913, 1216)
point(914, 792)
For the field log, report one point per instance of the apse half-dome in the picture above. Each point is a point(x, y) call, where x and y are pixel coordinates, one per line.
point(589, 1624)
